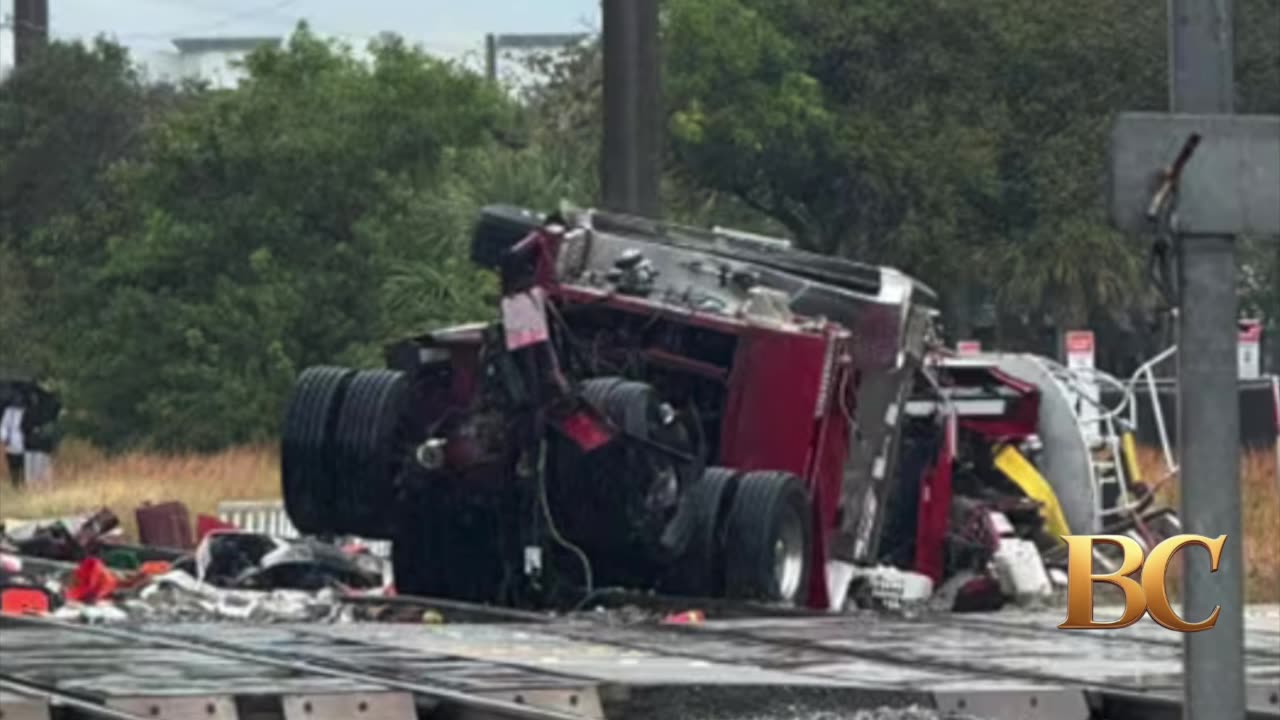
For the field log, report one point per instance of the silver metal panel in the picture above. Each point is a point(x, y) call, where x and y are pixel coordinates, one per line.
point(1263, 698)
point(580, 701)
point(1026, 704)
point(16, 707)
point(350, 706)
point(1065, 459)
point(178, 708)
point(1230, 186)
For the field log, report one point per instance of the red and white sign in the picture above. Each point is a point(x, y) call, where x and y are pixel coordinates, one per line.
point(968, 347)
point(1250, 349)
point(1080, 356)
point(524, 318)
point(1079, 345)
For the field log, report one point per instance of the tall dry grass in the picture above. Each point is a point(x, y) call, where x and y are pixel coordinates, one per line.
point(1260, 497)
point(86, 479)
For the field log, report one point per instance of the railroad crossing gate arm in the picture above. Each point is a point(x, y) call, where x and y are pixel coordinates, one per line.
point(1230, 185)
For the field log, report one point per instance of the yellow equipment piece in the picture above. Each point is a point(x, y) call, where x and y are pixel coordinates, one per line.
point(1019, 469)
point(1129, 449)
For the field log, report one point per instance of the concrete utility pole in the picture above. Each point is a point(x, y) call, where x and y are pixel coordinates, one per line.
point(1201, 80)
point(631, 158)
point(1224, 184)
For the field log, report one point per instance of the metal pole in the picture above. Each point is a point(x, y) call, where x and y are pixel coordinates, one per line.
point(30, 29)
point(1201, 81)
point(631, 155)
point(491, 56)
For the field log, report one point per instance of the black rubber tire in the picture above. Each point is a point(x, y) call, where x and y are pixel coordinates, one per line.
point(369, 452)
point(699, 570)
point(762, 502)
point(634, 406)
point(626, 403)
point(309, 483)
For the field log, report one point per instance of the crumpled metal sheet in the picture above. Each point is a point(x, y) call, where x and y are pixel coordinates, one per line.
point(233, 576)
point(176, 596)
point(245, 560)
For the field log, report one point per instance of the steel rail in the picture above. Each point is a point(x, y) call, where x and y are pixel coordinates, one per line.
point(590, 632)
point(991, 627)
point(745, 636)
point(501, 708)
point(997, 626)
point(447, 607)
point(58, 698)
point(611, 597)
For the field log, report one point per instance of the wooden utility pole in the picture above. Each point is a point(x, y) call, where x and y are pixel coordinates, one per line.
point(30, 29)
point(631, 156)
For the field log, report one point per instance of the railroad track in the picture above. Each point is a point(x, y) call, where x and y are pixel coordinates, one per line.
point(799, 641)
point(1001, 624)
point(504, 663)
point(1005, 625)
point(29, 697)
point(610, 599)
point(440, 694)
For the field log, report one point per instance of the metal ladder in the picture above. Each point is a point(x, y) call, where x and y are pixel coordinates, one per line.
point(1108, 431)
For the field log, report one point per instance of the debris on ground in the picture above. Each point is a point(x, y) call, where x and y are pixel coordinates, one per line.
point(69, 539)
point(689, 617)
point(91, 582)
point(19, 592)
point(72, 569)
point(254, 561)
point(178, 596)
point(889, 588)
point(166, 525)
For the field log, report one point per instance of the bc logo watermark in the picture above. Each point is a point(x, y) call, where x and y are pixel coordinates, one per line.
point(1147, 595)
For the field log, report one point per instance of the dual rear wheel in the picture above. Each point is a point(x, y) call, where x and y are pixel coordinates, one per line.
point(743, 535)
point(342, 448)
point(752, 538)
point(747, 535)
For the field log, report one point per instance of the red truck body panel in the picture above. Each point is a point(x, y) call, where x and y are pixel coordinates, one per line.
point(783, 410)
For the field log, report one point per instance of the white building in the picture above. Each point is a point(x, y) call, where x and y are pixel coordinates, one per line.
point(215, 60)
point(6, 37)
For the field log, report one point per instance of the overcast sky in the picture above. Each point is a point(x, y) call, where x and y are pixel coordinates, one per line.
point(451, 27)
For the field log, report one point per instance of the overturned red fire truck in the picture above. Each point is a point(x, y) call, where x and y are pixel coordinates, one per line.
point(704, 413)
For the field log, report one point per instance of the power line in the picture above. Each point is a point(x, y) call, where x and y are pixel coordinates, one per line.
point(228, 20)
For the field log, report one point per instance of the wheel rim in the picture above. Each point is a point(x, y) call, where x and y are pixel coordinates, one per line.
point(788, 556)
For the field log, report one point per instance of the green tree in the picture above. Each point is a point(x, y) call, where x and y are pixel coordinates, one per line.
point(261, 230)
point(64, 119)
point(563, 119)
point(962, 142)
